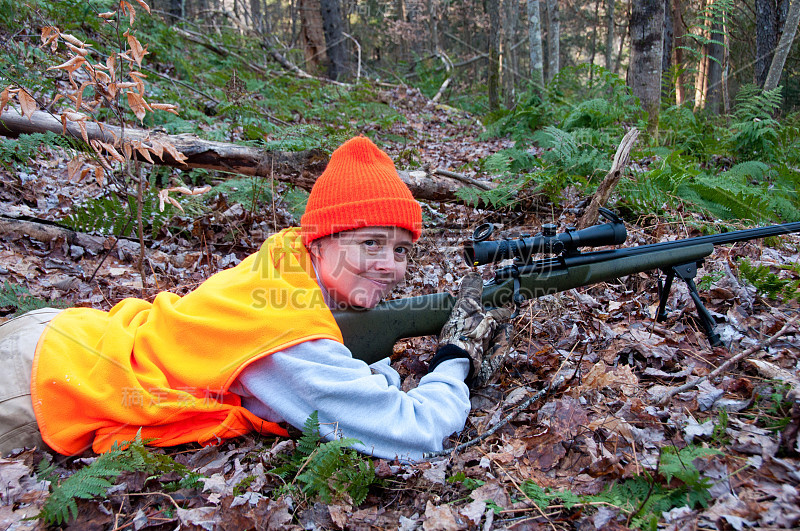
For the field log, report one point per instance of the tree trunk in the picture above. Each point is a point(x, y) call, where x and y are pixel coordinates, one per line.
point(679, 31)
point(433, 24)
point(535, 47)
point(716, 51)
point(644, 77)
point(510, 15)
point(610, 34)
point(176, 9)
point(494, 54)
point(666, 53)
point(766, 38)
point(593, 47)
point(553, 39)
point(623, 38)
point(784, 46)
point(701, 81)
point(312, 37)
point(334, 38)
point(300, 168)
point(708, 85)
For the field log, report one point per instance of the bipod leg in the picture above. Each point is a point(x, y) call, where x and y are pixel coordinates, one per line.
point(663, 295)
point(687, 272)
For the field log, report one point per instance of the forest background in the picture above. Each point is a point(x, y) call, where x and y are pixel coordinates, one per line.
point(148, 146)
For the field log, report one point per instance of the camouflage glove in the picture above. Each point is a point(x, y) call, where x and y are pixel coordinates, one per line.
point(470, 330)
point(499, 347)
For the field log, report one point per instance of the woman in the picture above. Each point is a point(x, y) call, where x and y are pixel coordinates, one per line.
point(253, 346)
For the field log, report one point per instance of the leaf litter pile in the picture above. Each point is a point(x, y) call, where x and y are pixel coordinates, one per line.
point(582, 428)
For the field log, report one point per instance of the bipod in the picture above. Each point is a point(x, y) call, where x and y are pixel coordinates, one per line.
point(687, 272)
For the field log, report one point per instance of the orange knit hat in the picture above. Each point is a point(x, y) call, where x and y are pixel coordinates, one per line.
point(359, 188)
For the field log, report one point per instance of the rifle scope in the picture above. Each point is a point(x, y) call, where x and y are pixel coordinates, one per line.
point(479, 252)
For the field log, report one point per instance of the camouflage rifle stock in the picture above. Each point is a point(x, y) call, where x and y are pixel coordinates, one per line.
point(371, 334)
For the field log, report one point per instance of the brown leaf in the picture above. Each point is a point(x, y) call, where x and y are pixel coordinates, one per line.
point(137, 104)
point(73, 166)
point(137, 50)
point(4, 97)
point(439, 518)
point(126, 6)
point(492, 491)
point(71, 65)
point(144, 5)
point(27, 103)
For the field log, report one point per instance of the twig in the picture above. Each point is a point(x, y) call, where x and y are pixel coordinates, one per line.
point(464, 179)
point(716, 372)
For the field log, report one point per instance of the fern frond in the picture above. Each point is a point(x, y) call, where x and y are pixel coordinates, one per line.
point(18, 297)
point(96, 478)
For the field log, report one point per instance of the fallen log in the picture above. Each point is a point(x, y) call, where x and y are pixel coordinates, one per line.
point(300, 168)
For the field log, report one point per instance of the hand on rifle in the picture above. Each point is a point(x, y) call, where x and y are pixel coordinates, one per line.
point(482, 336)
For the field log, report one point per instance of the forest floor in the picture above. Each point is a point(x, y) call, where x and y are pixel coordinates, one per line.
point(599, 452)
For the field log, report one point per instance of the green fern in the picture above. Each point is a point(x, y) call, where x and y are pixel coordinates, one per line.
point(594, 113)
point(756, 131)
point(569, 155)
point(771, 284)
point(109, 215)
point(329, 470)
point(734, 194)
point(95, 479)
point(641, 496)
point(25, 148)
point(20, 299)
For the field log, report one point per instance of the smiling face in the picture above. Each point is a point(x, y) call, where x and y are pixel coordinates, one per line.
point(360, 267)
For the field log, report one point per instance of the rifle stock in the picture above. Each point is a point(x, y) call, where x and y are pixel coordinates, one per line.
point(371, 334)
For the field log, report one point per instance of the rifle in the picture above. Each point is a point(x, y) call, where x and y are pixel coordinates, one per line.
point(371, 334)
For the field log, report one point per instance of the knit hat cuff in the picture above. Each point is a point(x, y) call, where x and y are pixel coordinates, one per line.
point(383, 211)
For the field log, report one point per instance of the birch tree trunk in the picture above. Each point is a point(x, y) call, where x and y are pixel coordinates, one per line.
point(784, 45)
point(644, 78)
point(535, 46)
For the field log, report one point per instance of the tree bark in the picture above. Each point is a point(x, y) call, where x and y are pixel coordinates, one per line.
point(553, 39)
point(679, 31)
point(713, 97)
point(784, 46)
point(767, 30)
point(535, 46)
point(595, 28)
point(647, 27)
point(510, 15)
point(666, 52)
point(494, 54)
point(334, 37)
point(300, 168)
point(312, 37)
point(610, 34)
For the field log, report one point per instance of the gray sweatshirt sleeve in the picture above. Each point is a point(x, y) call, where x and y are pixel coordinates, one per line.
point(321, 375)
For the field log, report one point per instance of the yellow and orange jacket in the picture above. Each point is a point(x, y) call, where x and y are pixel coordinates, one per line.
point(165, 367)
